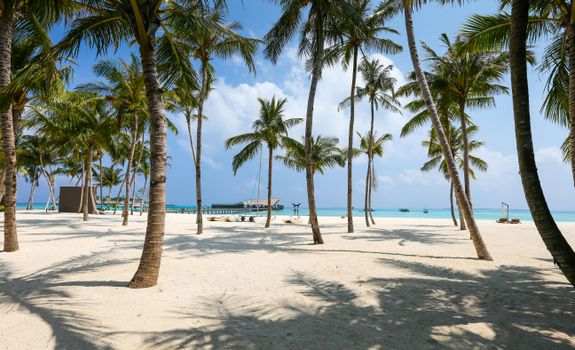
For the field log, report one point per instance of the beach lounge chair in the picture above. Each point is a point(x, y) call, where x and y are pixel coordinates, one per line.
point(502, 221)
point(292, 220)
point(515, 221)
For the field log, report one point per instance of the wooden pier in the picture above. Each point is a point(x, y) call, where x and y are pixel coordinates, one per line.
point(208, 211)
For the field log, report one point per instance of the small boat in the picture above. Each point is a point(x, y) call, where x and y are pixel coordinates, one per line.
point(404, 210)
point(425, 211)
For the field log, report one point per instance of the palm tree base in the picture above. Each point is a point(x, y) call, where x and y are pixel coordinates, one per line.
point(139, 282)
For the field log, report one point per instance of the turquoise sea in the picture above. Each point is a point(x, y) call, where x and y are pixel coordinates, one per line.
point(481, 214)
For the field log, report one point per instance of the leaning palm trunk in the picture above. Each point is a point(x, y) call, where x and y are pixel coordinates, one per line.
point(149, 267)
point(189, 124)
point(129, 169)
point(198, 157)
point(480, 248)
point(7, 20)
point(88, 193)
point(270, 163)
point(49, 181)
point(466, 179)
point(451, 204)
point(117, 201)
point(315, 75)
point(32, 191)
point(556, 244)
point(350, 144)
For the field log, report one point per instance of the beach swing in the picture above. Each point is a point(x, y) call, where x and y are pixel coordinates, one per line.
point(504, 218)
point(295, 218)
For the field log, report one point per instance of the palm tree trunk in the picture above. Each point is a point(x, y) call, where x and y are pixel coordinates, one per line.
point(134, 180)
point(88, 193)
point(270, 163)
point(466, 180)
point(556, 244)
point(370, 153)
point(133, 142)
point(136, 169)
point(371, 179)
point(571, 61)
point(53, 188)
point(149, 267)
point(32, 191)
point(47, 177)
point(101, 176)
point(367, 184)
point(83, 190)
point(143, 202)
point(480, 248)
point(48, 199)
point(7, 20)
point(315, 76)
point(189, 124)
point(350, 144)
point(117, 201)
point(109, 197)
point(198, 158)
point(2, 187)
point(451, 204)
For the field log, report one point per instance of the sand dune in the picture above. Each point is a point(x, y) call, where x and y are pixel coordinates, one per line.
point(403, 284)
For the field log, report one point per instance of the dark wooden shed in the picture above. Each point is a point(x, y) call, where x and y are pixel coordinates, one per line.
point(69, 200)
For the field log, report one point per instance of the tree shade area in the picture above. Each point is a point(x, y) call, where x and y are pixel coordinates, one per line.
point(158, 69)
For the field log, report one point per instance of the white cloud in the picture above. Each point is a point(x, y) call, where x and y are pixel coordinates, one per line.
point(549, 155)
point(385, 180)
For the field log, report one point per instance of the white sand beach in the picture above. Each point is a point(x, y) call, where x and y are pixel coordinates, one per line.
point(403, 284)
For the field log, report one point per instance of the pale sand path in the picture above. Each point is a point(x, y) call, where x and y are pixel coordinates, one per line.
point(405, 284)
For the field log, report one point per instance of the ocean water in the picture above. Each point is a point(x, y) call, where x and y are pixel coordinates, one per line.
point(481, 214)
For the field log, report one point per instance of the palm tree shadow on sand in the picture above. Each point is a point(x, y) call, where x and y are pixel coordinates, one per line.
point(509, 307)
point(44, 294)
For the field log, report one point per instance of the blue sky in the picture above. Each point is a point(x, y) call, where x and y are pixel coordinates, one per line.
point(232, 107)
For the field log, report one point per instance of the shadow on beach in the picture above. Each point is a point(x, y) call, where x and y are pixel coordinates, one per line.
point(429, 306)
point(511, 307)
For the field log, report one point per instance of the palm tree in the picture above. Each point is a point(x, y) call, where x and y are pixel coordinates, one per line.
point(28, 161)
point(550, 233)
point(325, 154)
point(371, 145)
point(110, 23)
point(478, 243)
point(436, 160)
point(26, 14)
point(80, 122)
point(220, 41)
point(312, 39)
point(447, 109)
point(379, 89)
point(547, 19)
point(470, 79)
point(360, 33)
point(111, 176)
point(271, 129)
point(125, 90)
